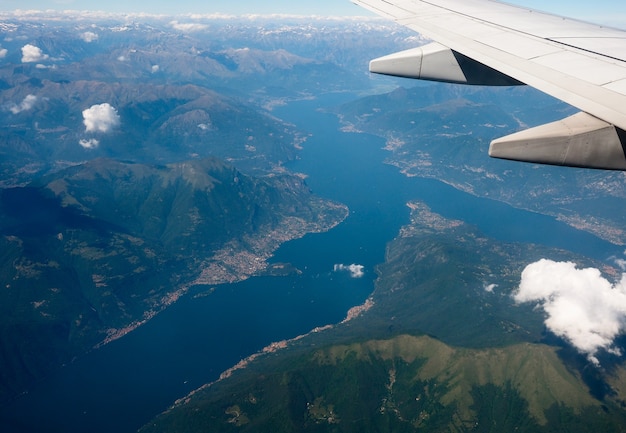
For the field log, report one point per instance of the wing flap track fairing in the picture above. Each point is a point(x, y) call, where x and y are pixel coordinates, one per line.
point(580, 140)
point(436, 62)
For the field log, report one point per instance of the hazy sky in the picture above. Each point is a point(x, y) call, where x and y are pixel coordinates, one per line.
point(602, 11)
point(319, 7)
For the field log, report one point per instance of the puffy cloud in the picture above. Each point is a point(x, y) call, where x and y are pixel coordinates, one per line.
point(27, 103)
point(100, 118)
point(3, 53)
point(581, 305)
point(155, 69)
point(32, 54)
point(356, 271)
point(91, 143)
point(89, 36)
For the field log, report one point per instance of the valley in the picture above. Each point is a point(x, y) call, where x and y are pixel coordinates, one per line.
point(209, 217)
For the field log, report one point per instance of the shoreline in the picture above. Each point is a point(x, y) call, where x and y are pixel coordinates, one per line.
point(274, 347)
point(238, 261)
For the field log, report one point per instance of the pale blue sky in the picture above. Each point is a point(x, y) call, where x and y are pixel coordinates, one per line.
point(308, 7)
point(601, 11)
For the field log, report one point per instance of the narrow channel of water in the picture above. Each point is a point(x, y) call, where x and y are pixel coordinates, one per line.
point(124, 384)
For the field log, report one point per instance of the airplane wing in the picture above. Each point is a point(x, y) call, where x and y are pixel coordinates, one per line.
point(485, 42)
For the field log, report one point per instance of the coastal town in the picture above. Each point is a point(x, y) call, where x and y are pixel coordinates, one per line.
point(241, 259)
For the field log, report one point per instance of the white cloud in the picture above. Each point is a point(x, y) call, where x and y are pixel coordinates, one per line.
point(489, 287)
point(32, 54)
point(27, 103)
point(91, 143)
point(3, 53)
point(89, 36)
point(356, 271)
point(155, 69)
point(121, 58)
point(188, 27)
point(100, 118)
point(581, 305)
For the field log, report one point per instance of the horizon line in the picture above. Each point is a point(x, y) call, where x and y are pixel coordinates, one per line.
point(87, 13)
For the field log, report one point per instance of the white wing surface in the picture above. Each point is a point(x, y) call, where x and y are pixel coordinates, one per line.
point(486, 42)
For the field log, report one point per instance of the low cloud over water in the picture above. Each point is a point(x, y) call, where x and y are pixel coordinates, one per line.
point(356, 271)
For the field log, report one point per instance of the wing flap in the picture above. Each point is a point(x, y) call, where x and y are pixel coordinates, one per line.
point(531, 49)
point(598, 72)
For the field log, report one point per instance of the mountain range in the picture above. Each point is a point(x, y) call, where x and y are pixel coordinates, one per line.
point(179, 93)
point(92, 251)
point(434, 348)
point(141, 155)
point(443, 131)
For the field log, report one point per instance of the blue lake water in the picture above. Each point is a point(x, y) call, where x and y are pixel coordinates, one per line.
point(124, 384)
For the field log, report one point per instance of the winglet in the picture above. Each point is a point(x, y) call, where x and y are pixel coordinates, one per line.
point(580, 140)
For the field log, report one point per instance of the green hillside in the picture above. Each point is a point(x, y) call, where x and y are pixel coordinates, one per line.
point(91, 252)
point(403, 384)
point(434, 350)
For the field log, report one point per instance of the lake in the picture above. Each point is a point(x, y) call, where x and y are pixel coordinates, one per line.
point(122, 385)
